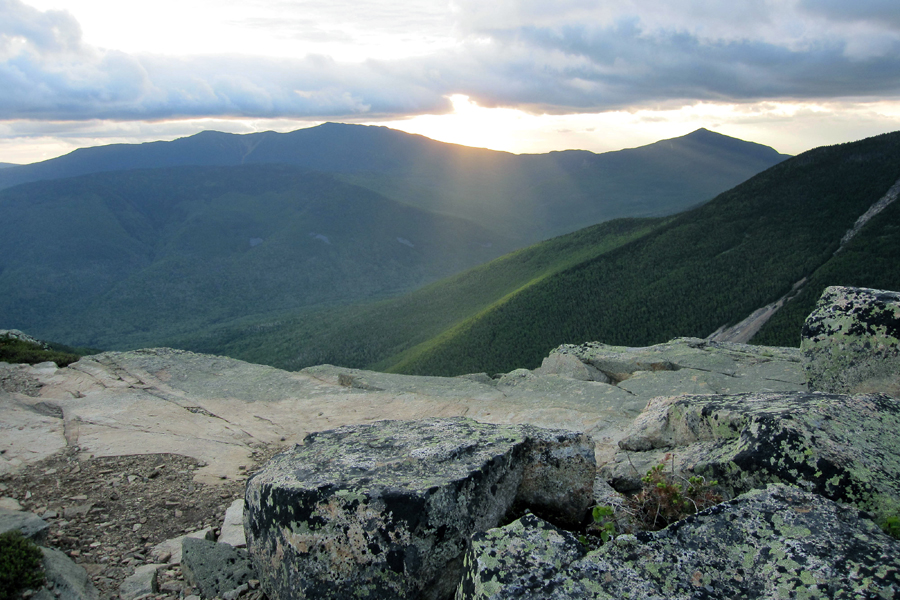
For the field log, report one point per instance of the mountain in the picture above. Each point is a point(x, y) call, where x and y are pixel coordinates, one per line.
point(365, 335)
point(528, 197)
point(4, 165)
point(629, 282)
point(125, 259)
point(129, 245)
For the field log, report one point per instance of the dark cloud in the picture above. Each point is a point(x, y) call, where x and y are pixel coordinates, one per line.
point(554, 61)
point(881, 12)
point(584, 67)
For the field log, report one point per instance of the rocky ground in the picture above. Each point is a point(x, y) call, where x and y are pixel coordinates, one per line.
point(107, 513)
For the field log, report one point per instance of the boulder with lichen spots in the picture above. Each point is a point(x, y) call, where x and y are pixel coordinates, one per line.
point(780, 542)
point(842, 447)
point(851, 342)
point(386, 510)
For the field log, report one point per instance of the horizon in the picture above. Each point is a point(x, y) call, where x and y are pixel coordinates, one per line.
point(374, 125)
point(516, 77)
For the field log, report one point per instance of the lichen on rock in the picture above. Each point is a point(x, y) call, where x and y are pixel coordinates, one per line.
point(386, 510)
point(842, 447)
point(851, 342)
point(780, 542)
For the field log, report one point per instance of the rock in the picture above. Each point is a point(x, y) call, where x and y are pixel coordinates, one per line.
point(842, 447)
point(851, 342)
point(692, 365)
point(78, 510)
point(522, 556)
point(143, 582)
point(31, 526)
point(7, 503)
point(236, 592)
point(67, 579)
point(215, 568)
point(217, 409)
point(568, 365)
point(169, 551)
point(780, 542)
point(386, 510)
point(233, 526)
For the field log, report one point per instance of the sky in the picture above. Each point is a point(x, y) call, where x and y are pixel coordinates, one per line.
point(512, 75)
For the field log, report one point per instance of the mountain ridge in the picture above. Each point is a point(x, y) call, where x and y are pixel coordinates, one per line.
point(83, 256)
point(688, 274)
point(531, 196)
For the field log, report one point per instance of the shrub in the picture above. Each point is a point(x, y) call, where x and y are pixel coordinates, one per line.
point(662, 501)
point(20, 564)
point(891, 526)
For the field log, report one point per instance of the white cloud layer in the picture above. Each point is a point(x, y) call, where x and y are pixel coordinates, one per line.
point(366, 59)
point(569, 56)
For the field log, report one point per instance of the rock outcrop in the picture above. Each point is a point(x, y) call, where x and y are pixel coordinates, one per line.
point(842, 447)
point(851, 342)
point(215, 568)
point(386, 510)
point(390, 509)
point(781, 542)
point(687, 366)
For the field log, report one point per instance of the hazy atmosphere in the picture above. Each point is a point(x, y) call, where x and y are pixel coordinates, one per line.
point(515, 75)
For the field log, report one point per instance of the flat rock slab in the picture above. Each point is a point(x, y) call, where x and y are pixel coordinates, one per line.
point(217, 409)
point(851, 342)
point(233, 525)
point(141, 583)
point(386, 510)
point(780, 542)
point(718, 367)
point(845, 448)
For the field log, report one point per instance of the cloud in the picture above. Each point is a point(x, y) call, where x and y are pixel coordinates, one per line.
point(566, 56)
point(878, 12)
point(583, 67)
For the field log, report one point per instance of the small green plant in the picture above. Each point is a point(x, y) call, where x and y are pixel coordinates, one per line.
point(663, 500)
point(20, 564)
point(891, 526)
point(603, 526)
point(603, 523)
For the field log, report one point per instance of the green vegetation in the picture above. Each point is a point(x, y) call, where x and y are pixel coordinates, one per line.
point(21, 351)
point(707, 268)
point(891, 526)
point(363, 335)
point(20, 564)
point(131, 258)
point(133, 250)
point(869, 260)
point(664, 499)
point(604, 525)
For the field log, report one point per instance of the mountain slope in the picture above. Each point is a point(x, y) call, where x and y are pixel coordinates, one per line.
point(869, 260)
point(362, 335)
point(706, 268)
point(528, 197)
point(125, 259)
